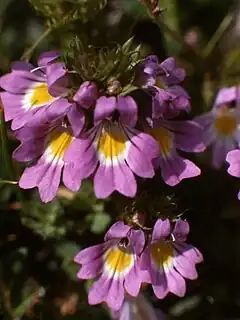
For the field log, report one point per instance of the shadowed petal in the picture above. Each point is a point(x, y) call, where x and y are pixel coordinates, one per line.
point(86, 95)
point(128, 110)
point(220, 149)
point(30, 150)
point(21, 65)
point(176, 283)
point(159, 284)
point(181, 230)
point(76, 118)
point(175, 168)
point(137, 239)
point(57, 79)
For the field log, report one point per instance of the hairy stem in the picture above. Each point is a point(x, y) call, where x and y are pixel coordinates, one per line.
point(29, 52)
point(173, 33)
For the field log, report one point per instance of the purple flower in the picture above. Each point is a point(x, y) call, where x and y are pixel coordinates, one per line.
point(137, 308)
point(35, 96)
point(46, 145)
point(29, 89)
point(221, 125)
point(146, 72)
point(113, 150)
point(172, 135)
point(225, 96)
point(233, 158)
point(170, 72)
point(169, 102)
point(115, 263)
point(167, 261)
point(162, 81)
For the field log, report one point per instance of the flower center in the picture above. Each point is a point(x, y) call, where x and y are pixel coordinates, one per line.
point(225, 122)
point(164, 138)
point(59, 142)
point(112, 141)
point(113, 86)
point(159, 83)
point(40, 96)
point(161, 253)
point(119, 259)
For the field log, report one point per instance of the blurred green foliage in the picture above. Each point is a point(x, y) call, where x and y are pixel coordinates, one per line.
point(38, 242)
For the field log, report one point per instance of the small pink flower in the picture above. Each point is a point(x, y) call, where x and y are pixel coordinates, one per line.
point(168, 260)
point(115, 263)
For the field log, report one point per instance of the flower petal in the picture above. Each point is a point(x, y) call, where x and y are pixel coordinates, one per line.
point(86, 95)
point(133, 281)
point(175, 168)
point(90, 270)
point(70, 179)
point(142, 150)
point(115, 296)
point(57, 79)
point(45, 176)
point(162, 229)
point(185, 267)
point(117, 230)
point(159, 283)
point(104, 108)
point(233, 158)
point(137, 239)
point(76, 119)
point(89, 254)
point(19, 81)
point(47, 57)
point(110, 178)
point(220, 149)
point(99, 291)
point(181, 230)
point(176, 283)
point(128, 110)
point(226, 95)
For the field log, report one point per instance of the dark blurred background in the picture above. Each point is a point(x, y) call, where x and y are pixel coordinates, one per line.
point(37, 244)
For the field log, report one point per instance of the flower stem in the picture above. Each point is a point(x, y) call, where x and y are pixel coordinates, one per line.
point(29, 52)
point(173, 33)
point(224, 25)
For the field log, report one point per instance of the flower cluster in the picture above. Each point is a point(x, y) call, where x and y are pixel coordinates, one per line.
point(222, 129)
point(98, 132)
point(126, 260)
